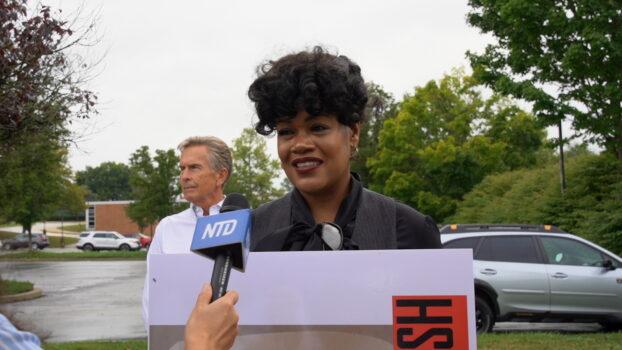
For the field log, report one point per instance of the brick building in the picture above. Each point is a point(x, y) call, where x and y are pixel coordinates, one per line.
point(111, 216)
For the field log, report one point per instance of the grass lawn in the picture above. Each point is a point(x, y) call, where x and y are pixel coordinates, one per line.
point(9, 287)
point(74, 228)
point(134, 344)
point(5, 235)
point(105, 255)
point(55, 241)
point(550, 341)
point(495, 341)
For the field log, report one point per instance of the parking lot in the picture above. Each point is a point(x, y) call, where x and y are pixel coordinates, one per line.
point(82, 300)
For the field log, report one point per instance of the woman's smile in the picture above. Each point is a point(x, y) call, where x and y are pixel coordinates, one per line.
point(306, 164)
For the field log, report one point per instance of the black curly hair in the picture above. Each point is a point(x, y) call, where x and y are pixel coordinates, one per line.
point(317, 82)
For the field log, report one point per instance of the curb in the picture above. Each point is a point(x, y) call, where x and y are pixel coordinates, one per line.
point(33, 294)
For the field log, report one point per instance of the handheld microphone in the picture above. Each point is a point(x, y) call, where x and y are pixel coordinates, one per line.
point(224, 238)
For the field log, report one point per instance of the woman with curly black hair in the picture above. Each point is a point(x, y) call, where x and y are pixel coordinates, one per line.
point(315, 101)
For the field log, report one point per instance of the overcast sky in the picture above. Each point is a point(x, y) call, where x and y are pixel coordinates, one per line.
point(173, 69)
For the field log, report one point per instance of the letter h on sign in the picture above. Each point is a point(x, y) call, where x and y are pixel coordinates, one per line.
point(220, 228)
point(430, 322)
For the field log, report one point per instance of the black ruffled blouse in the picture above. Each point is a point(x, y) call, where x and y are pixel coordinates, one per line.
point(303, 233)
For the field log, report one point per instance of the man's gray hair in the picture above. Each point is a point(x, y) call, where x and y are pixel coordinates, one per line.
point(219, 156)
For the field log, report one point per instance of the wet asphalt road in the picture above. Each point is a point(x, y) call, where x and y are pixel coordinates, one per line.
point(88, 300)
point(82, 300)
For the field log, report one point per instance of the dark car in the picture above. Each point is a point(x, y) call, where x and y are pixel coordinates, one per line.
point(39, 241)
point(145, 241)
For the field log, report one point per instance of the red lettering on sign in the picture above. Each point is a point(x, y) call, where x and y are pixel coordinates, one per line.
point(430, 322)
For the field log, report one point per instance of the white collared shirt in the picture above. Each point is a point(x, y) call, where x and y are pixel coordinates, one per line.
point(173, 235)
point(213, 210)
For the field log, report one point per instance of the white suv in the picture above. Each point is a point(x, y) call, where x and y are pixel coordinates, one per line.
point(106, 240)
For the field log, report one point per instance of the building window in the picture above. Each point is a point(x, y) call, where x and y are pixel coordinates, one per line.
point(90, 224)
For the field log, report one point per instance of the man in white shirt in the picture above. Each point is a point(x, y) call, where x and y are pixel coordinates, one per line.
point(205, 166)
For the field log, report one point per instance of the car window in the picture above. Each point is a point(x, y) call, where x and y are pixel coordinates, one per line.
point(519, 249)
point(564, 251)
point(112, 235)
point(470, 242)
point(99, 235)
point(84, 234)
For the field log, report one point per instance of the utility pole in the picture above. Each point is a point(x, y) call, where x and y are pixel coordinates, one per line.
point(62, 229)
point(562, 172)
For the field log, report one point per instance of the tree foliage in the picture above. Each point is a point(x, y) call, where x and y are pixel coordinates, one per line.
point(572, 47)
point(253, 170)
point(380, 106)
point(445, 139)
point(36, 181)
point(41, 93)
point(107, 181)
point(591, 206)
point(155, 186)
point(41, 85)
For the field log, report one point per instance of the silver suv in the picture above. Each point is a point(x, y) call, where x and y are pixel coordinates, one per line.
point(106, 240)
point(539, 273)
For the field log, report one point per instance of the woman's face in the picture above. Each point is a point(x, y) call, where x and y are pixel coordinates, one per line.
point(315, 152)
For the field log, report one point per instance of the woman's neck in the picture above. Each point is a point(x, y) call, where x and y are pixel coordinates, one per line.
point(324, 206)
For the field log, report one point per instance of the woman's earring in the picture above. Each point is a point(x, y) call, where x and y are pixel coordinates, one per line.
point(354, 151)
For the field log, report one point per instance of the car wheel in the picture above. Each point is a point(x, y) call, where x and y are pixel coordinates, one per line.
point(484, 317)
point(124, 247)
point(611, 326)
point(34, 246)
point(88, 247)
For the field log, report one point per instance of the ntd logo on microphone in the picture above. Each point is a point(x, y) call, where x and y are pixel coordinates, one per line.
point(228, 231)
point(220, 228)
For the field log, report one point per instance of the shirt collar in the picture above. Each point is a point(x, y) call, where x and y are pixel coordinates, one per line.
point(213, 210)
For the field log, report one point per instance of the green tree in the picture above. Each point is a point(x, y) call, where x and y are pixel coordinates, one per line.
point(380, 106)
point(107, 181)
point(563, 56)
point(41, 92)
point(591, 207)
point(36, 181)
point(253, 170)
point(155, 186)
point(445, 139)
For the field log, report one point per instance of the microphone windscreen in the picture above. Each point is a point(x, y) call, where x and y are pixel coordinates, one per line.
point(234, 201)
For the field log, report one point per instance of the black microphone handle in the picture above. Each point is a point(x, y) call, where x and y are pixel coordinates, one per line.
point(220, 274)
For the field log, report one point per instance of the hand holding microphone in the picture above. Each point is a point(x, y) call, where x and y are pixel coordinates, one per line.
point(212, 326)
point(225, 239)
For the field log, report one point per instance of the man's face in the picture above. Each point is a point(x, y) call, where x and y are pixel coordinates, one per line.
point(200, 184)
